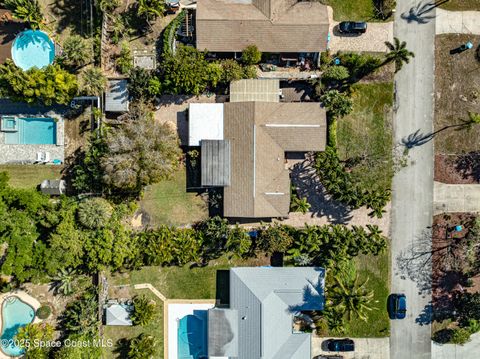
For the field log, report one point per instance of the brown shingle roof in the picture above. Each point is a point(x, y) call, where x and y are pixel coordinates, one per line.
point(260, 133)
point(272, 25)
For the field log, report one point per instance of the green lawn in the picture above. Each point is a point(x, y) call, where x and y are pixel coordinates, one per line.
point(461, 5)
point(168, 202)
point(155, 328)
point(365, 135)
point(377, 270)
point(357, 10)
point(30, 176)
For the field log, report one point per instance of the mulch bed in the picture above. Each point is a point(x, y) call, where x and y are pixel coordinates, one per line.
point(457, 169)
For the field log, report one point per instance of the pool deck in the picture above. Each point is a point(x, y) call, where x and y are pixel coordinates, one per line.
point(173, 310)
point(27, 154)
point(24, 297)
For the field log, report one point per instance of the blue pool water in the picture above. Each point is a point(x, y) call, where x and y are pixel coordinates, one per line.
point(32, 48)
point(192, 336)
point(33, 131)
point(15, 314)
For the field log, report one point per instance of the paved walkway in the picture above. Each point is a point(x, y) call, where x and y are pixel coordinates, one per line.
point(372, 41)
point(412, 199)
point(152, 288)
point(470, 350)
point(456, 197)
point(459, 22)
point(365, 348)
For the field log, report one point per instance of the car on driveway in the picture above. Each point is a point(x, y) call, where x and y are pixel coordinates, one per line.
point(352, 27)
point(397, 306)
point(341, 345)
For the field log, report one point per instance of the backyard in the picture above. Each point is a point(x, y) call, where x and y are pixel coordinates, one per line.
point(456, 145)
point(174, 283)
point(169, 203)
point(30, 176)
point(364, 138)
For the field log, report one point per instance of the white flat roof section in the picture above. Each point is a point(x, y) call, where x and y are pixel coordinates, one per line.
point(205, 122)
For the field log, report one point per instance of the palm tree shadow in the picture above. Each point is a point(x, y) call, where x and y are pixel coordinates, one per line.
point(419, 12)
point(426, 316)
point(304, 177)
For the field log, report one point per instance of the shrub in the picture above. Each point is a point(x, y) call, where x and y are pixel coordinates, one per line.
point(231, 71)
point(76, 52)
point(43, 312)
point(460, 336)
point(143, 311)
point(140, 85)
point(275, 239)
point(338, 104)
point(124, 61)
point(250, 72)
point(251, 55)
point(359, 65)
point(335, 73)
point(94, 213)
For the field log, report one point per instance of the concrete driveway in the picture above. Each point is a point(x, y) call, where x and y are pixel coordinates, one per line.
point(458, 22)
point(470, 350)
point(365, 348)
point(456, 197)
point(372, 41)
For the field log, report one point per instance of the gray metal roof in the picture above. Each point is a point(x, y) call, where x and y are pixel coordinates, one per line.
point(215, 160)
point(116, 96)
point(222, 332)
point(118, 314)
point(266, 299)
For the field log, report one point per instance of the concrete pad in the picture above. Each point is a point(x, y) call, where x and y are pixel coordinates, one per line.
point(457, 22)
point(456, 198)
point(371, 348)
point(469, 350)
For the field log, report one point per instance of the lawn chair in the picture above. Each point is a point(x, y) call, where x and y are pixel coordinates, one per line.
point(40, 157)
point(47, 157)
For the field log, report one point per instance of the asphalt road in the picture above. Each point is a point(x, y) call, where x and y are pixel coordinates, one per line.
point(412, 200)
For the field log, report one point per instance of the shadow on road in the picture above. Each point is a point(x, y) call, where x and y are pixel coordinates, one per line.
point(425, 317)
point(419, 13)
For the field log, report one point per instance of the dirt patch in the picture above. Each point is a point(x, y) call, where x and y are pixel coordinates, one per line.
point(451, 261)
point(457, 92)
point(457, 169)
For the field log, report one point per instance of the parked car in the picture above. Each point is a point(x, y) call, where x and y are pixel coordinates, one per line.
point(341, 345)
point(397, 306)
point(352, 27)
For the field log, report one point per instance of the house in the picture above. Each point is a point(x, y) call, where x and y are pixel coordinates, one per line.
point(53, 187)
point(243, 146)
point(264, 305)
point(274, 26)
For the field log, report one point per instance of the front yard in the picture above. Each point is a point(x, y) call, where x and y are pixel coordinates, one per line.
point(461, 5)
point(457, 93)
point(360, 10)
point(364, 138)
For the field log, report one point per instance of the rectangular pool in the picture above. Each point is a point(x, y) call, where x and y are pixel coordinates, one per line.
point(33, 131)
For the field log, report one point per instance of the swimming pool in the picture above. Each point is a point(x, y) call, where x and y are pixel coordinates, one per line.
point(32, 48)
point(192, 336)
point(32, 131)
point(15, 314)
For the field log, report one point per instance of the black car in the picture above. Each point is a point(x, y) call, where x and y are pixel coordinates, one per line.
point(397, 306)
point(341, 345)
point(352, 27)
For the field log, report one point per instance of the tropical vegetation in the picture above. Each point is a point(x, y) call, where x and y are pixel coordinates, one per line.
point(399, 54)
point(26, 10)
point(124, 61)
point(142, 347)
point(49, 85)
point(251, 55)
point(93, 81)
point(76, 52)
point(30, 335)
point(143, 310)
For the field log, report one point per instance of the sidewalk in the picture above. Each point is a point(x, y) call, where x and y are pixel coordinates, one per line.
point(469, 350)
point(459, 22)
point(456, 197)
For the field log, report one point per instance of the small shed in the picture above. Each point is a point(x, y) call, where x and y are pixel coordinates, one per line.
point(117, 96)
point(205, 122)
point(53, 187)
point(118, 314)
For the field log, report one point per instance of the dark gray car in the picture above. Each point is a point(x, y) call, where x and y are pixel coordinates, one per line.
point(352, 27)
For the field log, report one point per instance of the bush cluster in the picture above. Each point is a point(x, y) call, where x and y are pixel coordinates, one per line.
point(341, 186)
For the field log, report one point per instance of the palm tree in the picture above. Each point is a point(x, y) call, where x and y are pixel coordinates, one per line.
point(352, 296)
point(26, 10)
point(398, 53)
point(81, 316)
point(94, 82)
point(63, 281)
point(142, 347)
point(76, 52)
point(143, 311)
point(300, 204)
point(150, 9)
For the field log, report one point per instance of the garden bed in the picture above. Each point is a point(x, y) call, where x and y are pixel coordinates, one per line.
point(453, 169)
